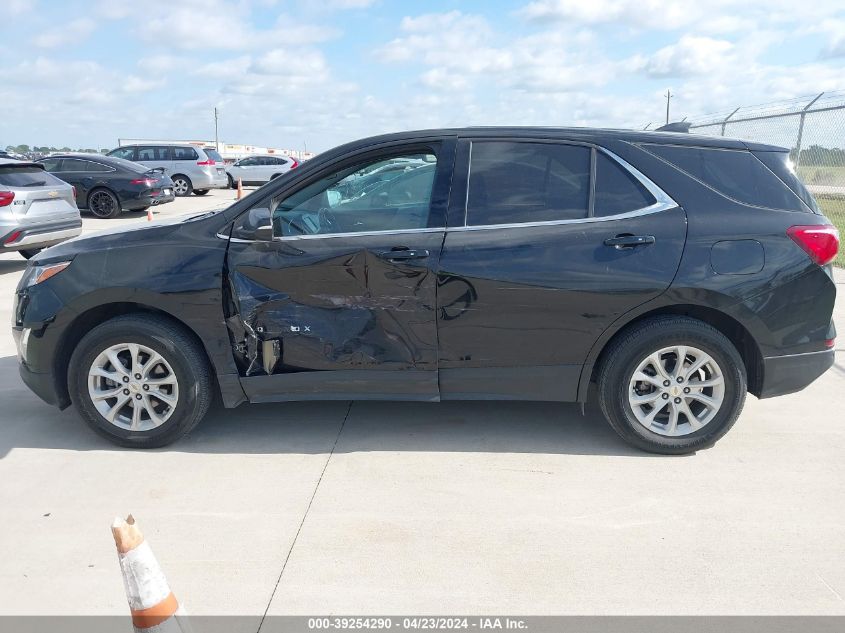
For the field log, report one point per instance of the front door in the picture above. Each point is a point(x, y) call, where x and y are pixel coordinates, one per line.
point(549, 244)
point(340, 304)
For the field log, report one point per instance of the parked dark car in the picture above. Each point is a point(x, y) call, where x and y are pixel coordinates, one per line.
point(106, 185)
point(672, 273)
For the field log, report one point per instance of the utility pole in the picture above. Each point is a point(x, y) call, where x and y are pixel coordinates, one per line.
point(216, 141)
point(668, 98)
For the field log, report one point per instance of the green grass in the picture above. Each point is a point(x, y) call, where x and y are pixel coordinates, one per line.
point(834, 209)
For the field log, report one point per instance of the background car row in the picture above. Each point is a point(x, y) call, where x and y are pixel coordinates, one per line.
point(193, 169)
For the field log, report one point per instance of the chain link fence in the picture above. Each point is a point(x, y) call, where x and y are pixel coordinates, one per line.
point(813, 128)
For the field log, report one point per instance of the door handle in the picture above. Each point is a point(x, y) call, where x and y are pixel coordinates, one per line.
point(403, 254)
point(629, 241)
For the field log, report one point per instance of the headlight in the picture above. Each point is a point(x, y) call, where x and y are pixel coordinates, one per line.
point(38, 274)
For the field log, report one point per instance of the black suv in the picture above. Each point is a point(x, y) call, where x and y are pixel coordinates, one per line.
point(673, 273)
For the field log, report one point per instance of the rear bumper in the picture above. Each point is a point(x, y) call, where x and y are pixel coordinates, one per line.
point(209, 181)
point(39, 235)
point(788, 374)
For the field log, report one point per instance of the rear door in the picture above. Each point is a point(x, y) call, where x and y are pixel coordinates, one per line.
point(153, 156)
point(549, 243)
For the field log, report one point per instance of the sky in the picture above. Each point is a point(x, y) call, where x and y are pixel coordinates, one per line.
point(311, 73)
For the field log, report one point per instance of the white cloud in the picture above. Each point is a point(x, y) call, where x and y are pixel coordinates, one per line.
point(690, 56)
point(73, 32)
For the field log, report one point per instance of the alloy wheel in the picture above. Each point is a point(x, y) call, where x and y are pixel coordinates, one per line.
point(102, 203)
point(676, 390)
point(133, 387)
point(180, 186)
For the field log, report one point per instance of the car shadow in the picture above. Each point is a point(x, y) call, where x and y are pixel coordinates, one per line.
point(318, 427)
point(12, 265)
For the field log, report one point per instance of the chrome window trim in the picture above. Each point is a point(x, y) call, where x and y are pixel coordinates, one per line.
point(663, 201)
point(293, 238)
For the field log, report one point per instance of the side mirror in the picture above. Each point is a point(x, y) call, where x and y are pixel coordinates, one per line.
point(254, 225)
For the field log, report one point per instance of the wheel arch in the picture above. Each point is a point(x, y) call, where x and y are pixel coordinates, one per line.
point(736, 333)
point(98, 187)
point(93, 317)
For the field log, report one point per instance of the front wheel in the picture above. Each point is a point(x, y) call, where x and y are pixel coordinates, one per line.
point(140, 382)
point(200, 192)
point(672, 385)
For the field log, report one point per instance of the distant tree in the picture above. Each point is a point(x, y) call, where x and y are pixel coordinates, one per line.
point(22, 149)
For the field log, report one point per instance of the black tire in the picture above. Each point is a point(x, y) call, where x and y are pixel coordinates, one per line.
point(274, 176)
point(30, 252)
point(622, 358)
point(176, 346)
point(200, 192)
point(103, 203)
point(232, 183)
point(182, 185)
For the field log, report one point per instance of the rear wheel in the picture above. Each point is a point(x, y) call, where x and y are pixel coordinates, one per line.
point(103, 203)
point(200, 192)
point(30, 253)
point(672, 385)
point(182, 185)
point(141, 382)
point(232, 184)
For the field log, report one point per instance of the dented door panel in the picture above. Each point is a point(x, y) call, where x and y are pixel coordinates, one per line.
point(333, 303)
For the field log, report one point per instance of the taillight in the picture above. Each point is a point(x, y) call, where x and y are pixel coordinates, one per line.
point(295, 165)
point(206, 162)
point(829, 343)
point(147, 182)
point(12, 238)
point(820, 242)
point(6, 198)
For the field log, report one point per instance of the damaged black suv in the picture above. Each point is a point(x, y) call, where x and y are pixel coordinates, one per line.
point(670, 272)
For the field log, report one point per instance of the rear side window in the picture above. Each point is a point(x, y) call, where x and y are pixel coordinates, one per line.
point(13, 176)
point(74, 164)
point(527, 182)
point(154, 153)
point(617, 191)
point(185, 153)
point(780, 164)
point(736, 174)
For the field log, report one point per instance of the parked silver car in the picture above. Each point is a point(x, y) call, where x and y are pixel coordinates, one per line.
point(37, 209)
point(193, 169)
point(257, 170)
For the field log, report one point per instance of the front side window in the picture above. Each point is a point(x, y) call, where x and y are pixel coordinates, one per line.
point(362, 198)
point(513, 182)
point(126, 153)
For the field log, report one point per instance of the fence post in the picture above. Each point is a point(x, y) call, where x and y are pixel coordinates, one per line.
point(725, 122)
point(801, 129)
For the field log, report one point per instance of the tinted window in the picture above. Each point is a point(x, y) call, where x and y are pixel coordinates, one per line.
point(213, 155)
point(617, 191)
point(26, 177)
point(527, 182)
point(51, 164)
point(127, 153)
point(736, 174)
point(185, 153)
point(779, 163)
point(154, 152)
point(337, 203)
point(74, 164)
point(248, 162)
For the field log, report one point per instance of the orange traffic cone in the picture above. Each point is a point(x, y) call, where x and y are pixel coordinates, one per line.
point(240, 190)
point(152, 604)
point(149, 214)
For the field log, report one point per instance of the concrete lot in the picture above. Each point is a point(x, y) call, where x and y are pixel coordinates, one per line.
point(528, 508)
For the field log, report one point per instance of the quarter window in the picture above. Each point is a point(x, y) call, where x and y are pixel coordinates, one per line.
point(527, 182)
point(386, 194)
point(617, 191)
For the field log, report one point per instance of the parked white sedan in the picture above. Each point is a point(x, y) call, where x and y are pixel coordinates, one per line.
point(257, 170)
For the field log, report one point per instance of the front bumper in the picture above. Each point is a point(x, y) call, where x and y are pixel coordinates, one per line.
point(791, 373)
point(42, 385)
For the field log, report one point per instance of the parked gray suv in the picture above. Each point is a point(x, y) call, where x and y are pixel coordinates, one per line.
point(37, 209)
point(193, 169)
